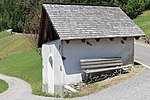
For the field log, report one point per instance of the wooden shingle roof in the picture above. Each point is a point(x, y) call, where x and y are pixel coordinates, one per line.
point(82, 22)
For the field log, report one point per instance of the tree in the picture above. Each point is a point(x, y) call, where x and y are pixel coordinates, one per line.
point(134, 7)
point(22, 15)
point(13, 14)
point(147, 5)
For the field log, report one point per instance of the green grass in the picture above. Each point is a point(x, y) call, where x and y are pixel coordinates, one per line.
point(20, 60)
point(143, 21)
point(4, 33)
point(3, 86)
point(13, 44)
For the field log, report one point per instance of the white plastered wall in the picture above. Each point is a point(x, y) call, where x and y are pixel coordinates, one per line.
point(76, 50)
point(52, 67)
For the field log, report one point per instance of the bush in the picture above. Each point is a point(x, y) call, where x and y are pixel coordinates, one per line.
point(13, 14)
point(21, 15)
point(133, 8)
point(147, 5)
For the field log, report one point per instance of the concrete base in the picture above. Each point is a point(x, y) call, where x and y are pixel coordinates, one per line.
point(45, 88)
point(58, 90)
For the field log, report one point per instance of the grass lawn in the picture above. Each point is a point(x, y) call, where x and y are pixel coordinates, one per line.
point(4, 33)
point(13, 44)
point(19, 59)
point(3, 86)
point(143, 21)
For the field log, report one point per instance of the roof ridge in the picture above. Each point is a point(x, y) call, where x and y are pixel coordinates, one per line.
point(81, 4)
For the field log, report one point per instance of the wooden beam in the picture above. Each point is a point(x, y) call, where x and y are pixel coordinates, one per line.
point(93, 66)
point(45, 28)
point(88, 43)
point(83, 40)
point(124, 38)
point(97, 40)
point(136, 37)
point(42, 28)
point(63, 58)
point(67, 41)
point(111, 39)
point(122, 41)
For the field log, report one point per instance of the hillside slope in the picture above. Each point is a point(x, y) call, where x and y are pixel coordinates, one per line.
point(13, 44)
point(4, 33)
point(19, 59)
point(143, 21)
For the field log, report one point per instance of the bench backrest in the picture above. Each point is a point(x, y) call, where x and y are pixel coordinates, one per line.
point(100, 63)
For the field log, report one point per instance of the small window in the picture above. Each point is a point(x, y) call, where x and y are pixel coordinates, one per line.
point(51, 61)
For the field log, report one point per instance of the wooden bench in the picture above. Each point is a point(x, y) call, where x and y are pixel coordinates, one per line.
point(90, 66)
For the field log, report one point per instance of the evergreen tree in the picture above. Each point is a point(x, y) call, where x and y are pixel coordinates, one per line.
point(134, 7)
point(24, 15)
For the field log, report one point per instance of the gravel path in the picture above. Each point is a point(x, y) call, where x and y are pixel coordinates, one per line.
point(18, 90)
point(136, 88)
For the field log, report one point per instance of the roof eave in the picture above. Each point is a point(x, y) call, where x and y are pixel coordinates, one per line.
point(104, 37)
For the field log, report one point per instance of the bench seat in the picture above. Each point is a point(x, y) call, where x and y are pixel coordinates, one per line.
point(95, 65)
point(105, 69)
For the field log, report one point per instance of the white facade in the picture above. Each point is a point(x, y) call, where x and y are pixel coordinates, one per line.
point(76, 50)
point(52, 68)
point(57, 72)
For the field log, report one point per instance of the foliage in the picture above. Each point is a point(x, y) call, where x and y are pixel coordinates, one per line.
point(133, 8)
point(3, 86)
point(21, 15)
point(147, 4)
point(13, 14)
point(24, 15)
